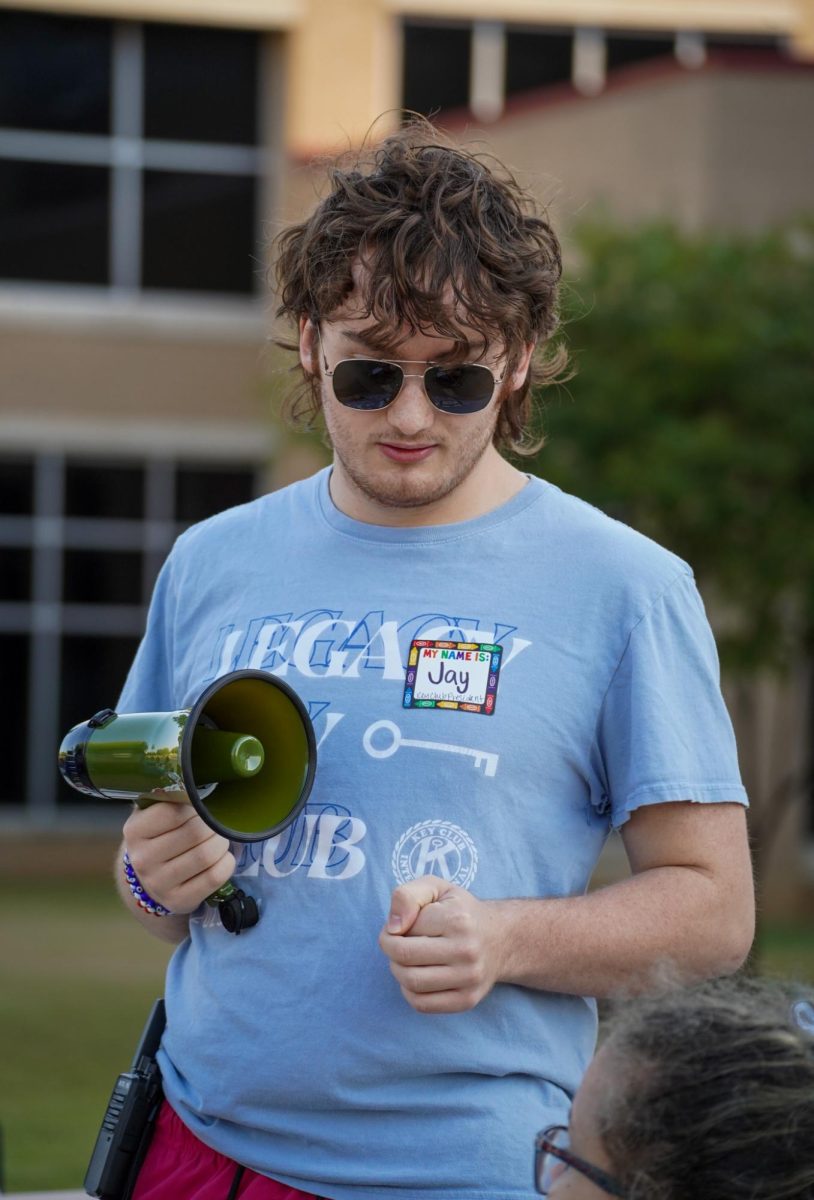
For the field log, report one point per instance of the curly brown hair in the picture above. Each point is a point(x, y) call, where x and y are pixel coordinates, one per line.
point(431, 222)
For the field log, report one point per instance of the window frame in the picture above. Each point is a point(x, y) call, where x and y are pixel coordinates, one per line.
point(128, 154)
point(46, 619)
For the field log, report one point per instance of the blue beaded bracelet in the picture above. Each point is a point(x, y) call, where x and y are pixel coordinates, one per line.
point(141, 897)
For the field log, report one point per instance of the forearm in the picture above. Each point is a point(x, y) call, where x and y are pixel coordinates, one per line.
point(172, 928)
point(689, 902)
point(615, 938)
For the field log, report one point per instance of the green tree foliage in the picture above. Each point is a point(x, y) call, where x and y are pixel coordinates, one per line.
point(691, 415)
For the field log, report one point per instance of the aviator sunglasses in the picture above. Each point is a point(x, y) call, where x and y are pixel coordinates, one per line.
point(372, 383)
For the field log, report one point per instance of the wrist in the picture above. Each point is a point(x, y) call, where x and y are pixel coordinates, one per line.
point(521, 928)
point(505, 928)
point(137, 890)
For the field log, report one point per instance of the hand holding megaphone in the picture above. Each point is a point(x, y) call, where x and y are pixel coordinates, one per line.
point(244, 756)
point(178, 860)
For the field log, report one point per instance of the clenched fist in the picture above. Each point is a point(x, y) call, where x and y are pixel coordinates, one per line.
point(444, 945)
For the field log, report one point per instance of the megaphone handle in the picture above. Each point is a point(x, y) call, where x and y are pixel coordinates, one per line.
point(237, 910)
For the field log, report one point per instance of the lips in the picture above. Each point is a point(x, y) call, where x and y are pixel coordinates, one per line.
point(405, 454)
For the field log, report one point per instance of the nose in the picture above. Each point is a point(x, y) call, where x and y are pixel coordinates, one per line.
point(411, 412)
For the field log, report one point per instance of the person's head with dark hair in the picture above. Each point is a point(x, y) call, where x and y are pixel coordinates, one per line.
point(699, 1094)
point(423, 252)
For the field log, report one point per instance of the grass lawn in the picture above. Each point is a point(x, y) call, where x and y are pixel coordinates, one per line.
point(79, 978)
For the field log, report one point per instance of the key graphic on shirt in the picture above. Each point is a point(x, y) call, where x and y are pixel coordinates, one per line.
point(483, 758)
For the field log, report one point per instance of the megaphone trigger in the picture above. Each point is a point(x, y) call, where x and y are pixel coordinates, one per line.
point(244, 755)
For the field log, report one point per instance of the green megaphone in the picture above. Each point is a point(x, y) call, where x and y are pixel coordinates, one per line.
point(244, 754)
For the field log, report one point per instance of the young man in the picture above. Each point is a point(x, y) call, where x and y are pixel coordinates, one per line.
point(497, 674)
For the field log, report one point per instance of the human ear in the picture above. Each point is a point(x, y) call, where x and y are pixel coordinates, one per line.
point(307, 341)
point(521, 367)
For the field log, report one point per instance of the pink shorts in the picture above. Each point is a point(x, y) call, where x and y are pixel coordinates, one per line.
point(180, 1167)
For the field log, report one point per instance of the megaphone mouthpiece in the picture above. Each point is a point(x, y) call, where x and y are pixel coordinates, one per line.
point(218, 756)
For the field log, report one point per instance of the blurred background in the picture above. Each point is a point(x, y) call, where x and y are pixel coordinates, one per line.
point(148, 150)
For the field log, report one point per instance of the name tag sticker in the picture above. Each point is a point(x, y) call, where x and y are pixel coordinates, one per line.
point(452, 675)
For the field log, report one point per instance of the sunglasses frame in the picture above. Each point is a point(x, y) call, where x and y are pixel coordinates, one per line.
point(422, 375)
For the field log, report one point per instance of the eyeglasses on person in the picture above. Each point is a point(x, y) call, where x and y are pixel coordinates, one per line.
point(372, 383)
point(551, 1147)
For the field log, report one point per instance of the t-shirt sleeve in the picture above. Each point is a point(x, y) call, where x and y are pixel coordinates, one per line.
point(149, 684)
point(664, 733)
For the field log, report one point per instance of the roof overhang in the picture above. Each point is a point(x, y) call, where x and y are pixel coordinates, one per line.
point(251, 14)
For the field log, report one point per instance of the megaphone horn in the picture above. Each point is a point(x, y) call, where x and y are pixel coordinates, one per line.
point(244, 754)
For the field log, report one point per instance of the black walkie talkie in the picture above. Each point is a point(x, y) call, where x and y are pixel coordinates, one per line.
point(128, 1121)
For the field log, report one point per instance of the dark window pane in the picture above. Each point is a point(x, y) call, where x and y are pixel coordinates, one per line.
point(624, 49)
point(53, 222)
point(199, 232)
point(200, 85)
point(436, 67)
point(15, 573)
point(102, 577)
point(93, 672)
point(202, 491)
point(54, 72)
point(13, 715)
point(535, 59)
point(104, 490)
point(748, 43)
point(16, 487)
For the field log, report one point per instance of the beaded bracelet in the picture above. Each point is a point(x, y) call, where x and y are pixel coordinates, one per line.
point(141, 897)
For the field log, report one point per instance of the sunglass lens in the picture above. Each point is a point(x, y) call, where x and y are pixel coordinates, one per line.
point(366, 383)
point(464, 389)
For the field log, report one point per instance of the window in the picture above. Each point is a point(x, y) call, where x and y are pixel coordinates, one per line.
point(15, 573)
point(81, 542)
point(101, 577)
point(13, 714)
point(55, 73)
point(181, 211)
point(204, 490)
point(626, 48)
point(537, 58)
point(54, 221)
point(187, 74)
point(93, 489)
point(129, 154)
point(436, 67)
point(747, 43)
point(16, 487)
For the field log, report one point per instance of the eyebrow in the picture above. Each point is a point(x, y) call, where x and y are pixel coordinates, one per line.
point(392, 351)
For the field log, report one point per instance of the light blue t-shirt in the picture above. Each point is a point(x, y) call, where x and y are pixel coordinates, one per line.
point(564, 675)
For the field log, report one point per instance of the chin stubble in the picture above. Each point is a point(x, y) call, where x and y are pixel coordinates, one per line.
point(405, 495)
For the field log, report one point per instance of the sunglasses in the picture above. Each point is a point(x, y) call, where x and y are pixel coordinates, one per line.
point(372, 383)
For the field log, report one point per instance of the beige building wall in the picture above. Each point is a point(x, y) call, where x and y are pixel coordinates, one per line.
point(344, 72)
point(144, 380)
point(721, 147)
point(111, 375)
